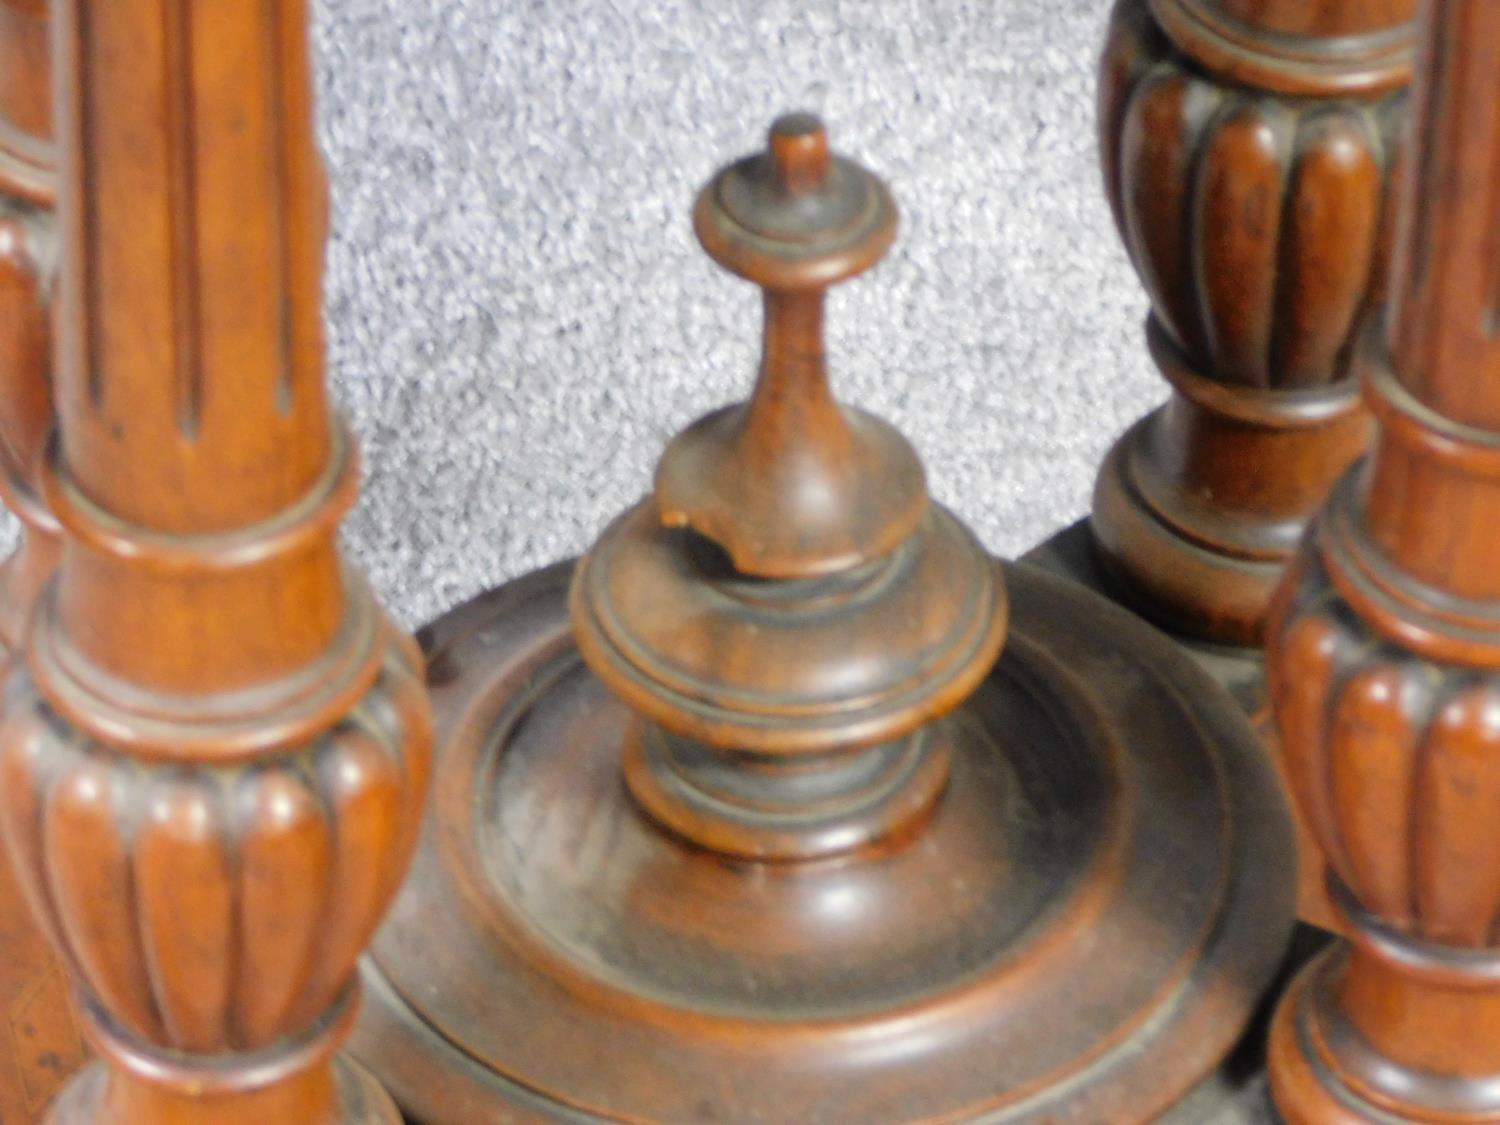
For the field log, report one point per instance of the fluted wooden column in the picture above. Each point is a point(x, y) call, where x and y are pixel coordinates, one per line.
point(1247, 148)
point(212, 773)
point(39, 1039)
point(1385, 653)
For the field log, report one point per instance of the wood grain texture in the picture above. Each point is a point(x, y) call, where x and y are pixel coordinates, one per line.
point(209, 825)
point(40, 1044)
point(1384, 654)
point(1257, 218)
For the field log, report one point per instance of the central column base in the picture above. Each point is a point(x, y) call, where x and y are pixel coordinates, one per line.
point(1201, 504)
point(1360, 1037)
point(303, 1082)
point(630, 974)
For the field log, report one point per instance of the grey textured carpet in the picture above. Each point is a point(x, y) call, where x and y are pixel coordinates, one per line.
point(519, 316)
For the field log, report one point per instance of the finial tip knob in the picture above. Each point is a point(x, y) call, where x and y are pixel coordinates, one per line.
point(798, 146)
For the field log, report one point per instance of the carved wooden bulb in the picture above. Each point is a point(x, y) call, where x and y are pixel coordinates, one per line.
point(1247, 148)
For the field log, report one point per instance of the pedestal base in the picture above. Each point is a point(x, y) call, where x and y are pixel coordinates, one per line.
point(1080, 933)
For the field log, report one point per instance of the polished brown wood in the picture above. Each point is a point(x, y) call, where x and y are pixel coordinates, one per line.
point(40, 1044)
point(27, 258)
point(1247, 148)
point(1384, 652)
point(213, 761)
point(740, 819)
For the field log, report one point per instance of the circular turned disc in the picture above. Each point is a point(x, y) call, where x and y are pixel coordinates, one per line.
point(1078, 934)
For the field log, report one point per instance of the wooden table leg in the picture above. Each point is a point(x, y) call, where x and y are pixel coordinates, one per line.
point(1384, 653)
point(1247, 148)
point(212, 767)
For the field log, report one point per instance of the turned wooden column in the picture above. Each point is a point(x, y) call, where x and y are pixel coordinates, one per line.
point(39, 1039)
point(211, 770)
point(1247, 149)
point(1385, 652)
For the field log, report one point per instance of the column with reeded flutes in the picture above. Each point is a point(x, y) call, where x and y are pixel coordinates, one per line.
point(1385, 653)
point(212, 772)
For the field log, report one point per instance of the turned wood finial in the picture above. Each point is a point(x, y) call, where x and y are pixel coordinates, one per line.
point(797, 148)
point(47, 1047)
point(790, 484)
point(796, 593)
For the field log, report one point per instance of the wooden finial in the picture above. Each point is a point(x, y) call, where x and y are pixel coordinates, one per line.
point(791, 484)
point(798, 150)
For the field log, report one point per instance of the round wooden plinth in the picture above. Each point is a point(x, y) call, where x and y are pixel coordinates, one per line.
point(1078, 933)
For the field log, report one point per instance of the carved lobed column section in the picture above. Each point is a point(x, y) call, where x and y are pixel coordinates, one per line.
point(1385, 653)
point(1247, 149)
point(213, 769)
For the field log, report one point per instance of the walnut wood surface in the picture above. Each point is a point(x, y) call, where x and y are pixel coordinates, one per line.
point(1247, 151)
point(1301, 47)
point(40, 1044)
point(213, 761)
point(743, 815)
point(1384, 652)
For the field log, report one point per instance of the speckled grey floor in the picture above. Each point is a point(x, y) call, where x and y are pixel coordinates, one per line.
point(520, 317)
